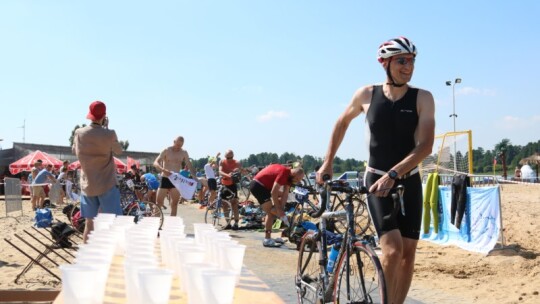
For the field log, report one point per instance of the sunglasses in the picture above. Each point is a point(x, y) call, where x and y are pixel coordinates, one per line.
point(404, 61)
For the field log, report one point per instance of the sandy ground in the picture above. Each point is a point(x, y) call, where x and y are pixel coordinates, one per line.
point(444, 274)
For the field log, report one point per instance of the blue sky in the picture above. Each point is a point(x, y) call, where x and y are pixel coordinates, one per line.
point(259, 76)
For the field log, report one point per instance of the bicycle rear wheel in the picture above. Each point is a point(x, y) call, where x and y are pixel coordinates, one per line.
point(146, 209)
point(365, 277)
point(75, 218)
point(295, 222)
point(307, 273)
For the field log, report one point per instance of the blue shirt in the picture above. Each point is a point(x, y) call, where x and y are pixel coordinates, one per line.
point(41, 177)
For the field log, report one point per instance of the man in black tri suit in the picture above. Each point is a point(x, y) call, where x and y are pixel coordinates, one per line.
point(400, 122)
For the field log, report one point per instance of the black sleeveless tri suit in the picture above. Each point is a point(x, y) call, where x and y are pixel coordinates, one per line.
point(391, 127)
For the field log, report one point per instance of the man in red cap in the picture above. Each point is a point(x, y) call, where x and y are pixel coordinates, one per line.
point(95, 146)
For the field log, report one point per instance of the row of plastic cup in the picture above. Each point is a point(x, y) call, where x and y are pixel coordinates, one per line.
point(208, 265)
point(92, 261)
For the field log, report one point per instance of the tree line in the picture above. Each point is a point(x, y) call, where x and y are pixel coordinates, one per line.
point(506, 156)
point(309, 163)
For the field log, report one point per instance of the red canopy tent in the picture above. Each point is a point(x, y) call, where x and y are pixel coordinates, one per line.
point(27, 163)
point(120, 166)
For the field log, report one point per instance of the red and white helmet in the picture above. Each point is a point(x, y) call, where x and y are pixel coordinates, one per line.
point(396, 46)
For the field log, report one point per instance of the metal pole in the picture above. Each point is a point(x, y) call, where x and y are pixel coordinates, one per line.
point(454, 104)
point(454, 116)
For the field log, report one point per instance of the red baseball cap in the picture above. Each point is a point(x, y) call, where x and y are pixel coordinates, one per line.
point(97, 110)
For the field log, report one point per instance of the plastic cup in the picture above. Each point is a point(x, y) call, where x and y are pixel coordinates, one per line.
point(185, 257)
point(102, 265)
point(155, 285)
point(232, 257)
point(219, 286)
point(131, 268)
point(195, 286)
point(92, 250)
point(199, 228)
point(75, 276)
point(210, 238)
point(216, 250)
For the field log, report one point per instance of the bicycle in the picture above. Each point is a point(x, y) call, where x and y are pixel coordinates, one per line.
point(219, 212)
point(303, 207)
point(356, 276)
point(129, 202)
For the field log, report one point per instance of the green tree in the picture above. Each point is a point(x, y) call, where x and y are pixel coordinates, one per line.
point(501, 150)
point(124, 144)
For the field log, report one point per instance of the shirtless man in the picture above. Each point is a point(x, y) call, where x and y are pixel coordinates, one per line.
point(168, 161)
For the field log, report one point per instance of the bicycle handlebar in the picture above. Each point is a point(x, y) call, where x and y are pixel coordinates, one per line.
point(342, 186)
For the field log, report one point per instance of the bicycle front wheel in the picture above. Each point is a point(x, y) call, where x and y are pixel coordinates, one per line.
point(307, 273)
point(218, 217)
point(146, 209)
point(361, 216)
point(361, 282)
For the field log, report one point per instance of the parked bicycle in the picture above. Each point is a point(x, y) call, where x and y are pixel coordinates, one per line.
point(131, 205)
point(129, 202)
point(219, 212)
point(305, 206)
point(352, 273)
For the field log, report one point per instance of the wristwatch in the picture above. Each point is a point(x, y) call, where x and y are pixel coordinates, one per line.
point(392, 174)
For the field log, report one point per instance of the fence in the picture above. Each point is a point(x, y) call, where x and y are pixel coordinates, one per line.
point(13, 196)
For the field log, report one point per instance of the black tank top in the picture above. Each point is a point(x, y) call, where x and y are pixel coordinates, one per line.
point(391, 127)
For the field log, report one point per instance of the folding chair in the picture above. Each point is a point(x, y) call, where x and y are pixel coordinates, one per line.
point(53, 246)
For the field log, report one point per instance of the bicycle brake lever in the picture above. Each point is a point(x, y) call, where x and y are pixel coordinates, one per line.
point(401, 191)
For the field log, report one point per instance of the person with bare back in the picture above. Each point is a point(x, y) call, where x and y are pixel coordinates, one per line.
point(169, 161)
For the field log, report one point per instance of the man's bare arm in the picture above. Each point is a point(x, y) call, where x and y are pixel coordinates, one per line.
point(190, 166)
point(159, 161)
point(354, 109)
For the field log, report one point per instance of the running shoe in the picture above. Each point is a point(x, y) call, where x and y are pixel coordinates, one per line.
point(279, 240)
point(270, 243)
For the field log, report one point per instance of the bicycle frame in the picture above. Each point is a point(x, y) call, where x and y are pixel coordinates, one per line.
point(349, 238)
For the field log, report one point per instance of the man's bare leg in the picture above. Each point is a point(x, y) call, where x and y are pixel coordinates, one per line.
point(392, 254)
point(175, 198)
point(405, 272)
point(33, 201)
point(234, 206)
point(160, 198)
point(41, 200)
point(270, 217)
point(88, 227)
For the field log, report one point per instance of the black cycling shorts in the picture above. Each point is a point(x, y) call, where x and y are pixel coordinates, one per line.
point(212, 184)
point(232, 188)
point(165, 183)
point(262, 194)
point(408, 225)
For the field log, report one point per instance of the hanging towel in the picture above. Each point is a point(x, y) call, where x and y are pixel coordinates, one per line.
point(431, 202)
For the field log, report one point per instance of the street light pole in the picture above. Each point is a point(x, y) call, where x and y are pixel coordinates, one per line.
point(453, 84)
point(454, 115)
